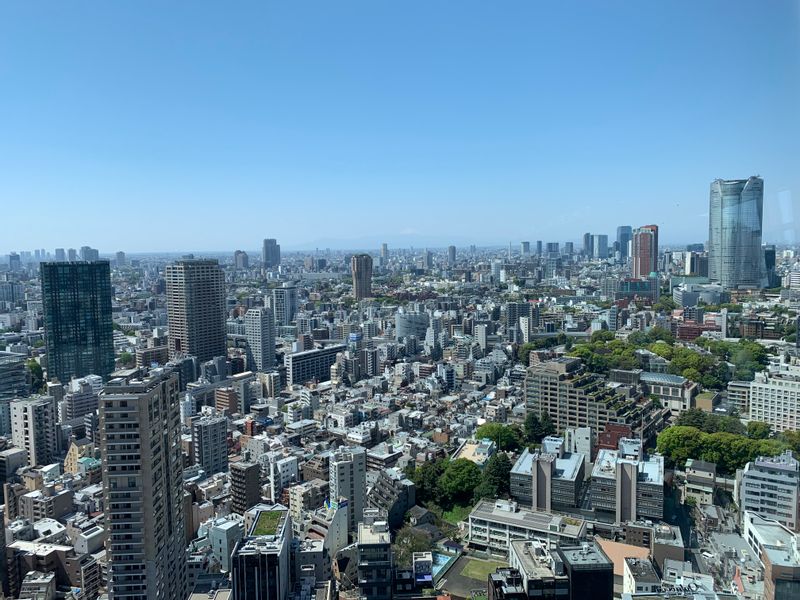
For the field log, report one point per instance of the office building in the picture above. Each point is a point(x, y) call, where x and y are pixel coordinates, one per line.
point(245, 486)
point(61, 256)
point(81, 397)
point(624, 236)
point(540, 569)
point(769, 486)
point(735, 256)
point(644, 254)
point(270, 254)
point(590, 571)
point(284, 304)
point(259, 326)
point(89, 254)
point(260, 565)
point(778, 550)
point(494, 524)
point(210, 443)
point(140, 433)
point(384, 251)
point(33, 428)
point(196, 309)
point(79, 338)
point(600, 246)
point(13, 384)
point(408, 324)
point(628, 483)
point(311, 365)
point(375, 565)
point(361, 267)
point(588, 245)
point(348, 480)
point(548, 478)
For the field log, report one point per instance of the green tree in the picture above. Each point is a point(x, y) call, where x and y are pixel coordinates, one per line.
point(506, 438)
point(791, 439)
point(459, 480)
point(407, 542)
point(758, 430)
point(426, 479)
point(126, 359)
point(37, 375)
point(496, 477)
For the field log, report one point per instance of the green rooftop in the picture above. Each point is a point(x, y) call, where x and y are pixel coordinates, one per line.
point(268, 521)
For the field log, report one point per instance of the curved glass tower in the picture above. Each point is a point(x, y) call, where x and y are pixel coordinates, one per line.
point(735, 256)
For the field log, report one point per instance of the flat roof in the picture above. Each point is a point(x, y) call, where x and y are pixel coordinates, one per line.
point(499, 512)
point(585, 555)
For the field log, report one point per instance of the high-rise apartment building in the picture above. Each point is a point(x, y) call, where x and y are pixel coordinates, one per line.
point(140, 433)
point(624, 236)
point(241, 260)
point(79, 335)
point(33, 428)
point(735, 256)
point(311, 365)
point(270, 254)
point(210, 443)
point(196, 309)
point(644, 252)
point(245, 486)
point(13, 384)
point(284, 304)
point(348, 479)
point(375, 564)
point(770, 486)
point(259, 325)
point(361, 266)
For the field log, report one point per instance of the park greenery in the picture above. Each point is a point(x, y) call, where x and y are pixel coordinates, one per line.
point(446, 484)
point(729, 451)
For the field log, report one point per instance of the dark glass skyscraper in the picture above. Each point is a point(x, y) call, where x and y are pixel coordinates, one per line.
point(735, 256)
point(76, 297)
point(624, 235)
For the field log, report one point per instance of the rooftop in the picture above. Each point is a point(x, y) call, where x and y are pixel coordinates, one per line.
point(268, 522)
point(586, 554)
point(508, 513)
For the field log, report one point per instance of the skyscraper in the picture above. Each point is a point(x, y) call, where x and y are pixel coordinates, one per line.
point(259, 325)
point(271, 254)
point(451, 255)
point(524, 248)
point(196, 309)
point(600, 246)
point(361, 266)
point(588, 244)
point(644, 251)
point(735, 257)
point(13, 384)
point(384, 251)
point(79, 335)
point(143, 488)
point(624, 235)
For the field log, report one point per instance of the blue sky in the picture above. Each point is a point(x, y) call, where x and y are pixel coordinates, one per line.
point(210, 125)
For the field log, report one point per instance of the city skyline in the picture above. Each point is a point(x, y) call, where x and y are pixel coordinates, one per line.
point(601, 115)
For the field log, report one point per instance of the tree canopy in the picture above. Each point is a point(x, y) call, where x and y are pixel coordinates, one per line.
point(506, 437)
point(728, 451)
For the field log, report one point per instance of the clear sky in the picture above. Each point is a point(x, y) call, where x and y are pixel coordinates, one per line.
point(211, 125)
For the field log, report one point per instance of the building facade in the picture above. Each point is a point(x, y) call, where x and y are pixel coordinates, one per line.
point(140, 433)
point(79, 337)
point(196, 309)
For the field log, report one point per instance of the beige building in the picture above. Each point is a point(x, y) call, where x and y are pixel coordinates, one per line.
point(196, 309)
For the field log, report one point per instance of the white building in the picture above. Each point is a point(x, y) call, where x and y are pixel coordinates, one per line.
point(348, 479)
point(774, 396)
point(768, 486)
point(260, 333)
point(33, 428)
